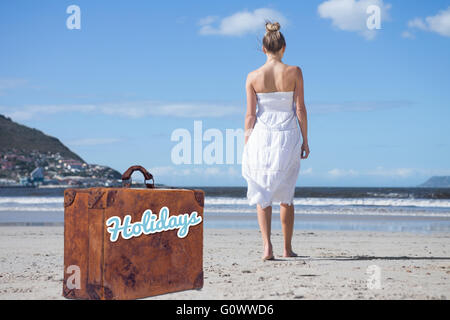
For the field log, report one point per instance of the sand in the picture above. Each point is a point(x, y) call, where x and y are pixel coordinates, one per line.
point(333, 265)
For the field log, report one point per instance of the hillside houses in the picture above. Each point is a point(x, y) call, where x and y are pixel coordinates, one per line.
point(52, 169)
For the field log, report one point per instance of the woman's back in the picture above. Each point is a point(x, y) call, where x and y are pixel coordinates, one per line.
point(274, 77)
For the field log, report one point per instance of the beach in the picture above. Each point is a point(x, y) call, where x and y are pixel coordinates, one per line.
point(331, 265)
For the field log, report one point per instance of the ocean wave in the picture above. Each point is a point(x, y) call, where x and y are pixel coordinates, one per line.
point(392, 202)
point(378, 204)
point(239, 211)
point(30, 209)
point(31, 200)
point(248, 211)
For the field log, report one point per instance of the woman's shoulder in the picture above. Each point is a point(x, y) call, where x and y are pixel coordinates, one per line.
point(252, 75)
point(292, 68)
point(254, 72)
point(293, 72)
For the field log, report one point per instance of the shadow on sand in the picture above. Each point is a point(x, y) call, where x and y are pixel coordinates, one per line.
point(358, 258)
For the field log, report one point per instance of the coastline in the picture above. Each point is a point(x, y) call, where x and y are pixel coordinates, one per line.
point(332, 265)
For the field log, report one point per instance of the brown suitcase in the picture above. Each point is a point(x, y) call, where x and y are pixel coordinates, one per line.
point(159, 251)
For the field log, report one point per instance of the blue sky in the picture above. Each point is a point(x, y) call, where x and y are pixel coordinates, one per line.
point(114, 91)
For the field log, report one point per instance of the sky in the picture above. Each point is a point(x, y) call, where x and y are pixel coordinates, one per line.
point(116, 87)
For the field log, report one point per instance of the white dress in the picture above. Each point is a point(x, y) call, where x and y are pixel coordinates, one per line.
point(271, 157)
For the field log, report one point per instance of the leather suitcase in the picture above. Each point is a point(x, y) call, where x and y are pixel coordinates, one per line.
point(127, 243)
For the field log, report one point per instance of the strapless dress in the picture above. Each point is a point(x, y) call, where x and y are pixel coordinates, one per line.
point(271, 156)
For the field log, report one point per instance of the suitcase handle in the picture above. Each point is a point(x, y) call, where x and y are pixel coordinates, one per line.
point(126, 177)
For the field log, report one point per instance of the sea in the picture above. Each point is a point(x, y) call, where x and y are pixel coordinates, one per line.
point(417, 210)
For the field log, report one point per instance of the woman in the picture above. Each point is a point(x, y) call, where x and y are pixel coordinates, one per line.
point(272, 151)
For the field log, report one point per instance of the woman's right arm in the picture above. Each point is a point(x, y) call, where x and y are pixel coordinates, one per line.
point(250, 117)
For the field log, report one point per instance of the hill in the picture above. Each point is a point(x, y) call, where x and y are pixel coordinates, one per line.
point(27, 140)
point(437, 182)
point(30, 157)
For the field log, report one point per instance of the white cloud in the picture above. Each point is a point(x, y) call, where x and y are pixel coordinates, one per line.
point(395, 172)
point(439, 23)
point(183, 109)
point(30, 111)
point(355, 106)
point(240, 23)
point(139, 109)
point(307, 171)
point(93, 141)
point(381, 171)
point(163, 171)
point(211, 171)
point(233, 172)
point(417, 23)
point(342, 172)
point(224, 171)
point(129, 109)
point(408, 35)
point(11, 83)
point(208, 20)
point(351, 15)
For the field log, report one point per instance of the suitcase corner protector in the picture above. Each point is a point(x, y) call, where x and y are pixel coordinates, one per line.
point(94, 199)
point(199, 197)
point(69, 197)
point(198, 283)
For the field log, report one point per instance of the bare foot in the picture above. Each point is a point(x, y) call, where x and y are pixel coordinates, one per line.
point(289, 254)
point(268, 253)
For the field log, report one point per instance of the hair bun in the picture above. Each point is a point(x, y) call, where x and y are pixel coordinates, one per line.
point(272, 27)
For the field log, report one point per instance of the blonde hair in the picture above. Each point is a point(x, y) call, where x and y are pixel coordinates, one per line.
point(273, 40)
